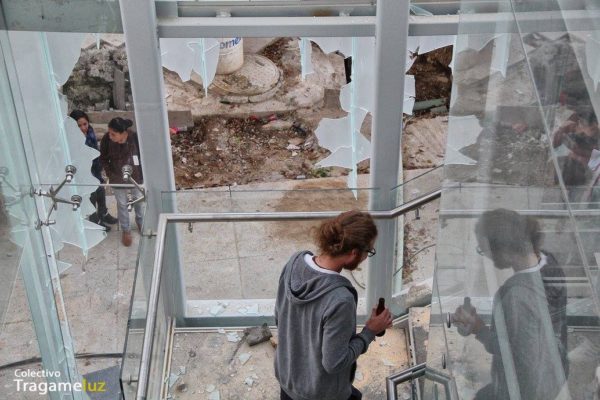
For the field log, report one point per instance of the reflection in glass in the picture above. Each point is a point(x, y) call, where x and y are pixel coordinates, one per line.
point(527, 337)
point(516, 257)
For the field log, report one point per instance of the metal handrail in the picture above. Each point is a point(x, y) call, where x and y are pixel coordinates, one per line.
point(392, 381)
point(428, 173)
point(296, 215)
point(110, 185)
point(415, 372)
point(534, 213)
point(164, 220)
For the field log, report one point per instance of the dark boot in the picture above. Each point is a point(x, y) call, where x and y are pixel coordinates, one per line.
point(109, 219)
point(106, 227)
point(94, 218)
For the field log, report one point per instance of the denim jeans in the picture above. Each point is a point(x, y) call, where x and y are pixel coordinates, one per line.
point(122, 213)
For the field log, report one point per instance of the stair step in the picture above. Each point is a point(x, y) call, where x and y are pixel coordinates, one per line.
point(418, 322)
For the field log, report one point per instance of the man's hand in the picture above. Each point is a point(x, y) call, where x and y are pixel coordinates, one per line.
point(379, 323)
point(468, 320)
point(561, 133)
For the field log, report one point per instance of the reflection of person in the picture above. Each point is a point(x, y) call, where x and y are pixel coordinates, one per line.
point(527, 336)
point(580, 135)
point(315, 312)
point(592, 192)
point(98, 198)
point(120, 147)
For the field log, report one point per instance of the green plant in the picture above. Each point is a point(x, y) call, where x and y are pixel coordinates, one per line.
point(320, 172)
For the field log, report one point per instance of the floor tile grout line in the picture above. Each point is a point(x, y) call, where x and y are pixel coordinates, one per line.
point(237, 258)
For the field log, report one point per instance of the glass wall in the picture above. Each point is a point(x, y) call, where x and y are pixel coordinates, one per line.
point(29, 251)
point(136, 326)
point(49, 244)
point(242, 261)
point(515, 311)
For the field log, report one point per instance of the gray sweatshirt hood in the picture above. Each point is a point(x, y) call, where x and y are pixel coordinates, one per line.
point(304, 285)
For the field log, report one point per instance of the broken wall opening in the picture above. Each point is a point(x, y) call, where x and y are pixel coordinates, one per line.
point(231, 130)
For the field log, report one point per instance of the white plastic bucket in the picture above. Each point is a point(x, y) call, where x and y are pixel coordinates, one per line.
point(231, 55)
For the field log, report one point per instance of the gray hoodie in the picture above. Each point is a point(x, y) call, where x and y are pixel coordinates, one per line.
point(318, 346)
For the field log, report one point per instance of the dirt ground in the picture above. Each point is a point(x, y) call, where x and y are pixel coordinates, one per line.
point(433, 76)
point(222, 151)
point(228, 151)
point(500, 152)
point(310, 196)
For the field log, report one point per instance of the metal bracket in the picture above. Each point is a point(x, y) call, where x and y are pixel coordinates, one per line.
point(39, 223)
point(131, 380)
point(127, 172)
point(52, 193)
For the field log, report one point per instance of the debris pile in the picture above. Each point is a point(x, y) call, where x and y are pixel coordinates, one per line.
point(235, 151)
point(433, 76)
point(257, 334)
point(90, 86)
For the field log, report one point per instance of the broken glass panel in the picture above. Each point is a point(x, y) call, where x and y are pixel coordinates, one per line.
point(592, 51)
point(409, 94)
point(331, 44)
point(186, 55)
point(425, 44)
point(416, 10)
point(22, 171)
point(357, 98)
point(359, 93)
point(340, 158)
point(306, 57)
point(470, 129)
point(333, 133)
point(64, 50)
point(43, 62)
point(178, 56)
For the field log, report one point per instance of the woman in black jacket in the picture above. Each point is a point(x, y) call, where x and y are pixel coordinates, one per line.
point(120, 147)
